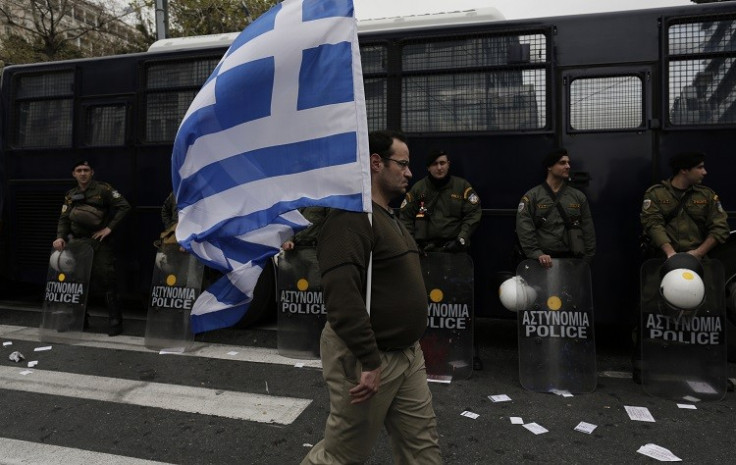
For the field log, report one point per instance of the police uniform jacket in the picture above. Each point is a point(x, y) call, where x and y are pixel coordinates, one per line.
point(701, 215)
point(453, 210)
point(542, 231)
point(99, 195)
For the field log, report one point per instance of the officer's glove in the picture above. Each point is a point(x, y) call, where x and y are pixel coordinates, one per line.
point(453, 246)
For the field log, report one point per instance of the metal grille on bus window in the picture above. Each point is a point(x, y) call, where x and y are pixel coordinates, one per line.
point(603, 103)
point(45, 123)
point(45, 85)
point(702, 75)
point(164, 112)
point(473, 52)
point(179, 74)
point(105, 125)
point(494, 101)
point(375, 103)
point(373, 58)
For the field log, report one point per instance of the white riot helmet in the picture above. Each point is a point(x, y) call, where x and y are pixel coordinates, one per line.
point(683, 290)
point(62, 261)
point(682, 286)
point(516, 294)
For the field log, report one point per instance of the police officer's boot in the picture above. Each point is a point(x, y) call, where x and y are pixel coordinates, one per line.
point(115, 313)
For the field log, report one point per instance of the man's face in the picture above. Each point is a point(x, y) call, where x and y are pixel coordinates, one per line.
point(83, 174)
point(561, 169)
point(695, 174)
point(440, 167)
point(394, 178)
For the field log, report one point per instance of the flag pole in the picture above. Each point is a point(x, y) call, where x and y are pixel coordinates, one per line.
point(369, 277)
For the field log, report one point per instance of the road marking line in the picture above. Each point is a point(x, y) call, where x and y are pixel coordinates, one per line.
point(229, 404)
point(216, 351)
point(17, 452)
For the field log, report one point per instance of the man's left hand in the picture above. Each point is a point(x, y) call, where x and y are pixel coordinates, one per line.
point(102, 233)
point(368, 385)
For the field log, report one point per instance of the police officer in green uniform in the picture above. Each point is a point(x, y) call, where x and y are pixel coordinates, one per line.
point(91, 212)
point(553, 220)
point(680, 214)
point(441, 211)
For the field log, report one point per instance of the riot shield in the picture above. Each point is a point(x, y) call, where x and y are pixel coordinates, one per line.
point(556, 335)
point(67, 290)
point(176, 284)
point(301, 310)
point(684, 356)
point(448, 341)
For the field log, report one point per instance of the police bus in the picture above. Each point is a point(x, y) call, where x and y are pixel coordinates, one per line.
point(621, 91)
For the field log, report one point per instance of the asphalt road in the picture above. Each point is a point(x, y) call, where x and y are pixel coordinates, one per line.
point(234, 400)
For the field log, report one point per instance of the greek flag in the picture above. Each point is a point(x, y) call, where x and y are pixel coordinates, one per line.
point(280, 124)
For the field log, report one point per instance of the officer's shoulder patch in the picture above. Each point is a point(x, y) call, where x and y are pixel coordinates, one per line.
point(719, 206)
point(525, 199)
point(116, 195)
point(647, 203)
point(473, 198)
point(407, 199)
point(64, 208)
point(403, 203)
point(521, 207)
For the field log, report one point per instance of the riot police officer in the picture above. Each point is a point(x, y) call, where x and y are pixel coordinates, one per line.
point(91, 211)
point(441, 211)
point(553, 219)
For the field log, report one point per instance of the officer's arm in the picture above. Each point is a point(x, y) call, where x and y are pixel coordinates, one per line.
point(526, 231)
point(471, 214)
point(63, 227)
point(408, 212)
point(120, 206)
point(586, 223)
point(652, 223)
point(166, 216)
point(717, 223)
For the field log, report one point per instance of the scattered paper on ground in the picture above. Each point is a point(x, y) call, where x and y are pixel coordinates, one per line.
point(516, 421)
point(470, 414)
point(688, 406)
point(586, 428)
point(657, 452)
point(499, 398)
point(639, 413)
point(535, 428)
point(41, 349)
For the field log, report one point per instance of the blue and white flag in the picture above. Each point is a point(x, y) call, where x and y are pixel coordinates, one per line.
point(280, 124)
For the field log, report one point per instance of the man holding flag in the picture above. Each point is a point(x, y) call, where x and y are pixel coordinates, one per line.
point(371, 358)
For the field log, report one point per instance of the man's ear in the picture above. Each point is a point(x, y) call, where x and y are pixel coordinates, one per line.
point(375, 162)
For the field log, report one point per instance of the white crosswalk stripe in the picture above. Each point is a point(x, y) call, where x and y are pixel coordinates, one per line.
point(16, 452)
point(228, 404)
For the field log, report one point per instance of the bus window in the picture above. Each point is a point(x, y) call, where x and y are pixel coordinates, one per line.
point(170, 89)
point(606, 103)
point(374, 59)
point(702, 84)
point(105, 125)
point(43, 110)
point(475, 84)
